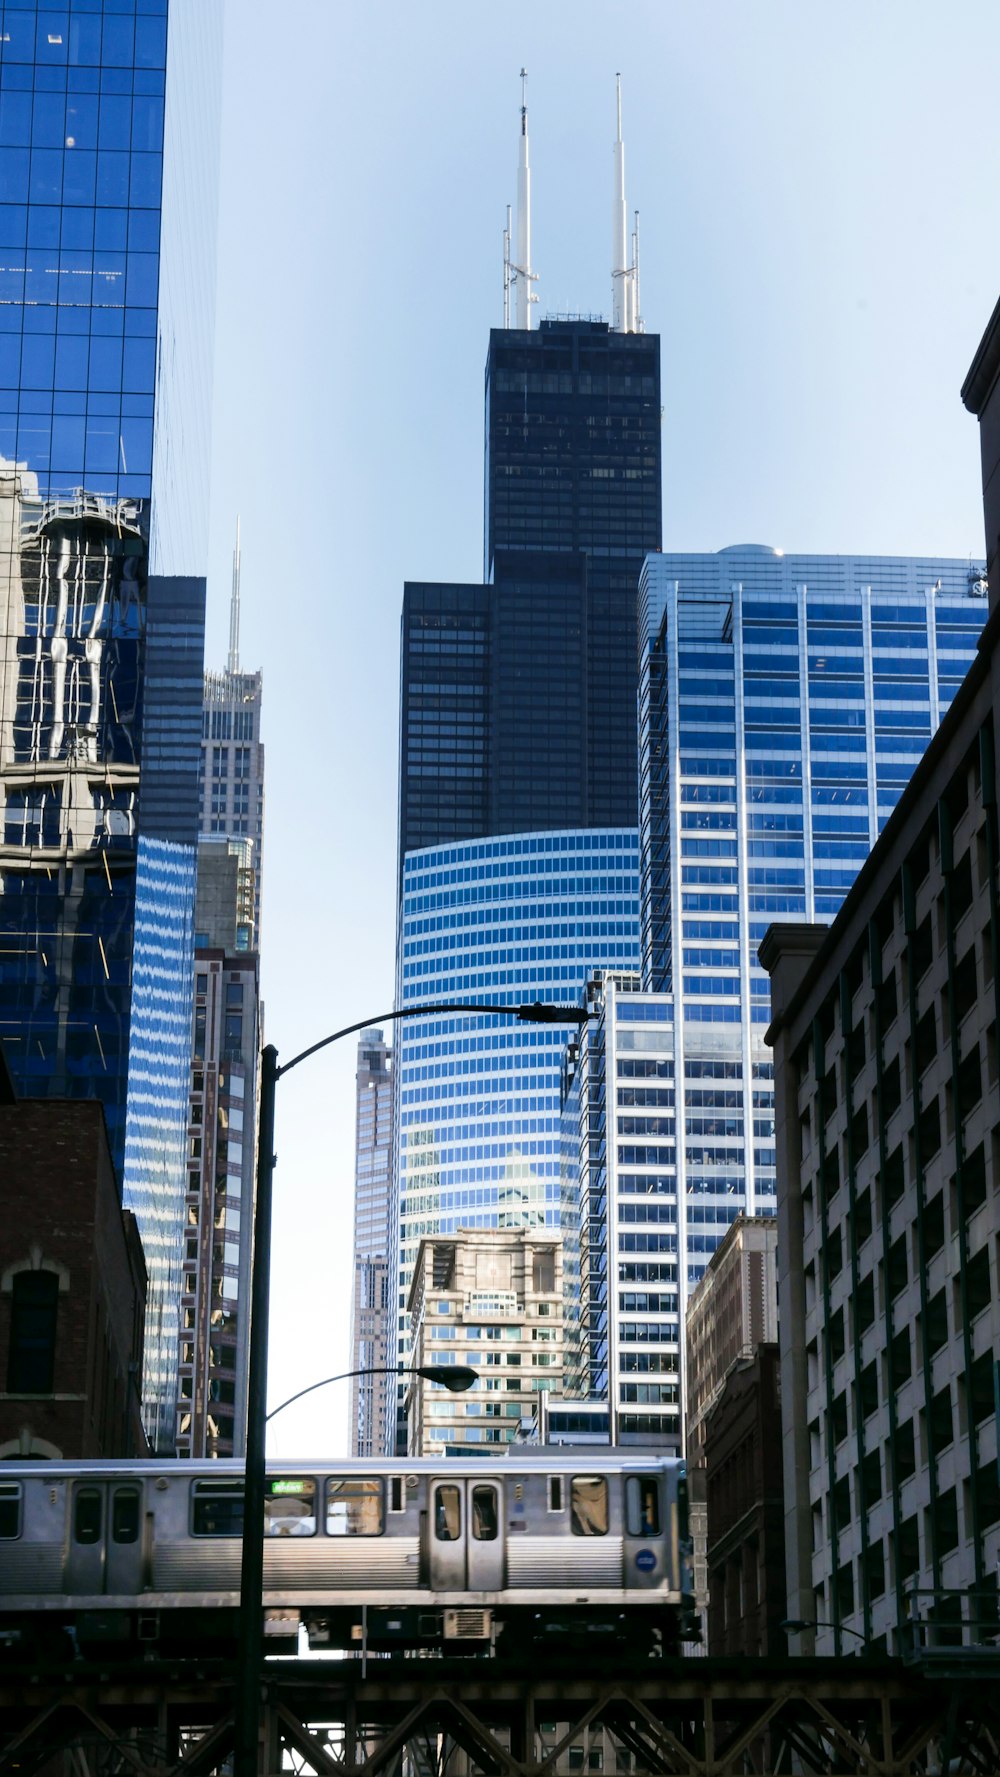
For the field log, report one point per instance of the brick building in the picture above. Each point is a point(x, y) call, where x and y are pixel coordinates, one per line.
point(72, 1286)
point(746, 1541)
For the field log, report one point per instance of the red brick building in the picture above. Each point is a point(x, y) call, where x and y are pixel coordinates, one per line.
point(72, 1286)
point(746, 1534)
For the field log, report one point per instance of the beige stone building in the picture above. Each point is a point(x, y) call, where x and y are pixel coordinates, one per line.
point(491, 1298)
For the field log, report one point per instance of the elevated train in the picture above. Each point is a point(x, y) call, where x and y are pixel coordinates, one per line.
point(454, 1555)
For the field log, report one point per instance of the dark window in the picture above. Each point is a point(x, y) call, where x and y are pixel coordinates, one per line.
point(945, 1510)
point(892, 1178)
point(936, 1332)
point(934, 1224)
point(217, 1508)
point(873, 1477)
point(875, 1570)
point(842, 1502)
point(896, 1267)
point(977, 1281)
point(942, 1429)
point(864, 1303)
point(87, 1515)
point(642, 1508)
point(859, 1131)
point(869, 1390)
point(838, 1418)
point(900, 1360)
point(923, 948)
point(555, 1493)
point(964, 983)
point(10, 1508)
point(930, 1131)
point(904, 1451)
point(31, 1363)
point(908, 1548)
point(926, 1040)
point(970, 1084)
point(835, 1334)
point(863, 1217)
point(125, 1515)
point(974, 1179)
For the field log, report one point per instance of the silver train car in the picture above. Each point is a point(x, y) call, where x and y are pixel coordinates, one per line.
point(459, 1556)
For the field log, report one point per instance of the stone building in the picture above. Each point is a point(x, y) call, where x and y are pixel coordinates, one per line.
point(746, 1545)
point(491, 1298)
point(72, 1287)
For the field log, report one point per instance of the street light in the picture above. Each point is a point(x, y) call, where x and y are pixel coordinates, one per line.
point(250, 1637)
point(454, 1377)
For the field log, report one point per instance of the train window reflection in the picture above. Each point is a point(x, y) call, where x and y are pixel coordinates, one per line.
point(87, 1515)
point(10, 1509)
point(447, 1514)
point(354, 1507)
point(217, 1508)
point(290, 1507)
point(589, 1505)
point(642, 1506)
point(484, 1514)
point(125, 1515)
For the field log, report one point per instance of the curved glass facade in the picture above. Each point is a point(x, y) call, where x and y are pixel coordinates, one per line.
point(518, 918)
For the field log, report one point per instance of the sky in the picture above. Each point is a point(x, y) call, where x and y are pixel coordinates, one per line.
point(820, 256)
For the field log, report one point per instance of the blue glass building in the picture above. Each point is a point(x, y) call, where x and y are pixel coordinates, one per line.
point(503, 920)
point(108, 141)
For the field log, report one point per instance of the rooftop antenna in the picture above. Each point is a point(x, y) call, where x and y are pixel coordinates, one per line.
point(636, 310)
point(233, 663)
point(621, 277)
point(507, 273)
point(520, 274)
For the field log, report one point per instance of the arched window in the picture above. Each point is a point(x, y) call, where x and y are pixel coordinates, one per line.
point(31, 1363)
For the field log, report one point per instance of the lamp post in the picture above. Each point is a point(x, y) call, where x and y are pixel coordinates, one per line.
point(250, 1638)
point(456, 1378)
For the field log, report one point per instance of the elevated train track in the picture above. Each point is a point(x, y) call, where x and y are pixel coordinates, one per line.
point(856, 1717)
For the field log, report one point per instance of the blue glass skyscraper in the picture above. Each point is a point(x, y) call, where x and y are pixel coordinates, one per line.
point(108, 137)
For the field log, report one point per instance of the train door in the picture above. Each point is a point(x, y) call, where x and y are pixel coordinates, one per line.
point(105, 1538)
point(466, 1536)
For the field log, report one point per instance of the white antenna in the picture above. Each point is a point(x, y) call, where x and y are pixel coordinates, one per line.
point(624, 276)
point(521, 273)
point(233, 663)
point(507, 274)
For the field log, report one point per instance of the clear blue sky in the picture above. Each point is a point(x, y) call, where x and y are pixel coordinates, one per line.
point(820, 255)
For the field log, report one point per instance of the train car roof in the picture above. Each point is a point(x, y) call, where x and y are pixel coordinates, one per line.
point(557, 1459)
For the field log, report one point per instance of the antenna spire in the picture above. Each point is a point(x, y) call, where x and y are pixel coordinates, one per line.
point(521, 274)
point(622, 273)
point(233, 663)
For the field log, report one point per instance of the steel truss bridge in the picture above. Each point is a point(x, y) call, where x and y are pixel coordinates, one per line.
point(854, 1717)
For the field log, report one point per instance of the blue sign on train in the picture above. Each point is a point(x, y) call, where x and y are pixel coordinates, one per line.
point(645, 1561)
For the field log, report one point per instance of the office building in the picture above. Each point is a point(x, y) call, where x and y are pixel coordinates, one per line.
point(108, 213)
point(72, 1287)
point(232, 764)
point(477, 1140)
point(370, 1306)
point(884, 1031)
point(493, 1299)
point(730, 1312)
point(745, 1556)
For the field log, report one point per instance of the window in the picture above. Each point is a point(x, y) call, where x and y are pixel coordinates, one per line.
point(555, 1493)
point(484, 1514)
point(290, 1507)
point(10, 1509)
point(354, 1507)
point(31, 1363)
point(217, 1508)
point(125, 1515)
point(447, 1514)
point(589, 1505)
point(87, 1515)
point(642, 1506)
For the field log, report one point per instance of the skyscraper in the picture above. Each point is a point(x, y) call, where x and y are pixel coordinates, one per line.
point(783, 703)
point(518, 759)
point(370, 1295)
point(107, 212)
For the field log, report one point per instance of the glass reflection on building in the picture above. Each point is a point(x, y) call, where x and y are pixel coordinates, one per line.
point(83, 635)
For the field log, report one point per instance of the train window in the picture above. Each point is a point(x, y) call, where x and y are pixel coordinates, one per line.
point(217, 1508)
point(354, 1507)
point(87, 1515)
point(555, 1493)
point(290, 1506)
point(396, 1500)
point(10, 1508)
point(588, 1504)
point(642, 1506)
point(447, 1513)
point(125, 1515)
point(484, 1514)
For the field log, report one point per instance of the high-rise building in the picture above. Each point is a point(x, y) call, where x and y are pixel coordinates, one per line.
point(109, 193)
point(491, 1298)
point(226, 1038)
point(518, 758)
point(370, 1295)
point(476, 1105)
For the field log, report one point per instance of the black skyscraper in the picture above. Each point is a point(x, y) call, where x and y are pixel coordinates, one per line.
point(519, 698)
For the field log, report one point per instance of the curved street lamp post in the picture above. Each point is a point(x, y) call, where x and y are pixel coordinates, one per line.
point(456, 1378)
point(246, 1751)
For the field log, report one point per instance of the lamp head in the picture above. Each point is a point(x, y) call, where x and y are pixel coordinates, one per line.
point(456, 1378)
